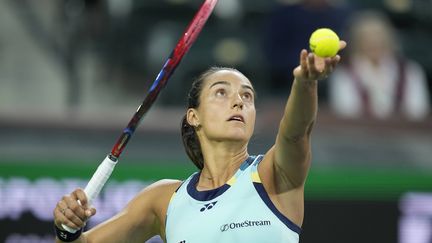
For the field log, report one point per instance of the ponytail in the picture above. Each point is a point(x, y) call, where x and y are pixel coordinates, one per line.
point(192, 144)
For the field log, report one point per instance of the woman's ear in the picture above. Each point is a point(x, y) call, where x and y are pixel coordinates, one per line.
point(192, 117)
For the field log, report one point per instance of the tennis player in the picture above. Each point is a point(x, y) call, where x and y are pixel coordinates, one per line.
point(234, 197)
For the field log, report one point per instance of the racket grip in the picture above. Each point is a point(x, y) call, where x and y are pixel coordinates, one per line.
point(96, 183)
point(99, 178)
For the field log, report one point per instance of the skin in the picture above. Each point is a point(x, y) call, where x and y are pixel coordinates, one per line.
point(224, 143)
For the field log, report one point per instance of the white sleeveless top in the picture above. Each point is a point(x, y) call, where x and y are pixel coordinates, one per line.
point(239, 211)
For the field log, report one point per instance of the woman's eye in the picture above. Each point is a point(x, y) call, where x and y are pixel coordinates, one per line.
point(247, 96)
point(220, 92)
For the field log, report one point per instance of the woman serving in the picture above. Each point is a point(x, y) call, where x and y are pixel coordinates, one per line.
point(234, 197)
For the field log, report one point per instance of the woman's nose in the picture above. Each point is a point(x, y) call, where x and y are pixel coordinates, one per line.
point(238, 101)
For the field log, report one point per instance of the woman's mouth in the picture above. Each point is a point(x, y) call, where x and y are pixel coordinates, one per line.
point(238, 118)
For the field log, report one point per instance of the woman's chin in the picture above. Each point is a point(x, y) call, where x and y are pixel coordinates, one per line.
point(237, 137)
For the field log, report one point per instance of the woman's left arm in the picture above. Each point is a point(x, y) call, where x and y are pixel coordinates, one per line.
point(291, 154)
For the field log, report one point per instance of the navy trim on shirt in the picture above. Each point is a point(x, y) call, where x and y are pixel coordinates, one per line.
point(265, 197)
point(213, 193)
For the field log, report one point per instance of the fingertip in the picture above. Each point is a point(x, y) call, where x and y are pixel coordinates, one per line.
point(78, 190)
point(82, 197)
point(92, 211)
point(342, 44)
point(311, 57)
point(303, 53)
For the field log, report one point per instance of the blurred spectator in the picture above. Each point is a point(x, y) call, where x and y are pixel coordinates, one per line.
point(376, 80)
point(288, 30)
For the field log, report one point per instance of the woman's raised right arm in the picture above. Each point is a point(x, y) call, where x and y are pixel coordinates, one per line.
point(141, 219)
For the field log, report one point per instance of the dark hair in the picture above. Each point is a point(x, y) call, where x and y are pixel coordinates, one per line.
point(189, 136)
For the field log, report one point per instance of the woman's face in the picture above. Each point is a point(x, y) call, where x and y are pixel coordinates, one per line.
point(227, 107)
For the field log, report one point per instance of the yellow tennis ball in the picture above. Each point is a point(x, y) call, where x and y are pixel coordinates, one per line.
point(324, 42)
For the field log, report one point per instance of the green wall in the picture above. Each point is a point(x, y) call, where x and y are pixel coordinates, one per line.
point(323, 183)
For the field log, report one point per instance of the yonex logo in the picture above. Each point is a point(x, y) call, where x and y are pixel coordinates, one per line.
point(208, 206)
point(63, 235)
point(246, 223)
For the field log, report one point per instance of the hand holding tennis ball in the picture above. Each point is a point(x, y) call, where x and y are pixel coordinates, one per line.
point(324, 42)
point(325, 45)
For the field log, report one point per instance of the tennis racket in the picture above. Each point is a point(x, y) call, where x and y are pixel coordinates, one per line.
point(105, 169)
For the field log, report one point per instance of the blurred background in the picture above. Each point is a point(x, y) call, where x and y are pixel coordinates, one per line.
point(72, 72)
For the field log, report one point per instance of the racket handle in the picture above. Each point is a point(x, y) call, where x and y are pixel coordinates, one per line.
point(99, 178)
point(96, 183)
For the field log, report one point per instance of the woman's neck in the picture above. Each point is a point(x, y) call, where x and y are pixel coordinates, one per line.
point(221, 161)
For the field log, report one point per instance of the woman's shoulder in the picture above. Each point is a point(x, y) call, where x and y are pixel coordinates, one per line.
point(162, 187)
point(157, 193)
point(167, 184)
point(156, 196)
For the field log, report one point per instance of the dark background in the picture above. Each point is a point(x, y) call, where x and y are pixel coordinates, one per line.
point(72, 72)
